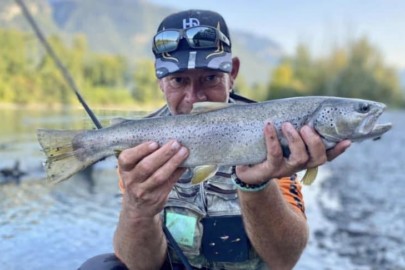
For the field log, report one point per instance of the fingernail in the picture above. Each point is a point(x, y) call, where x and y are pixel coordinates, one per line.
point(288, 125)
point(269, 125)
point(175, 145)
point(183, 151)
point(305, 129)
point(290, 130)
point(153, 145)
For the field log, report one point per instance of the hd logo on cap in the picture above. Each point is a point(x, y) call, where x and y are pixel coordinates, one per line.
point(190, 22)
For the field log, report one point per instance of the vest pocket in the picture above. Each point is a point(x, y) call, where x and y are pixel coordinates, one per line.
point(183, 220)
point(221, 198)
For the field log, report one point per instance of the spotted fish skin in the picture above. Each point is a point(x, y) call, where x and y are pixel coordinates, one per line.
point(216, 133)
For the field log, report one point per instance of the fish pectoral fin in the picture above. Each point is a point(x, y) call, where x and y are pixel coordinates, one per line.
point(202, 173)
point(202, 107)
point(310, 176)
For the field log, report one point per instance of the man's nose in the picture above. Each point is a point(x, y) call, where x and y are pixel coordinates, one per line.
point(195, 93)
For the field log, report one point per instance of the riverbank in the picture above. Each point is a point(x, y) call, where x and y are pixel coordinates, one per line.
point(145, 107)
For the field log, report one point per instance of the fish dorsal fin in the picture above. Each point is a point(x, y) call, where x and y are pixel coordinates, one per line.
point(310, 176)
point(202, 107)
point(202, 173)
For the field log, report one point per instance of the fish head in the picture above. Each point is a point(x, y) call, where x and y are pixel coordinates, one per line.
point(338, 119)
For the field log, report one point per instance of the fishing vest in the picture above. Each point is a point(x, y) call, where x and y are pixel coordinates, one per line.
point(205, 220)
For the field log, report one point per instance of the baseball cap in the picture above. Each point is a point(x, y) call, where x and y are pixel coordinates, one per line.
point(192, 39)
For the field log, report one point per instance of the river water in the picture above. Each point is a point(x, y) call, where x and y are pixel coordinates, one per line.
point(355, 209)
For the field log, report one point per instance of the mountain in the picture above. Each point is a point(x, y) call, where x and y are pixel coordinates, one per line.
point(258, 55)
point(125, 27)
point(11, 16)
point(116, 26)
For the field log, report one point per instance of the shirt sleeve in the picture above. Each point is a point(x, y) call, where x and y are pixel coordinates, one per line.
point(291, 190)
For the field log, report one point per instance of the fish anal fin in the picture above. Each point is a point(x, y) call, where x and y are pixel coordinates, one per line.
point(203, 173)
point(309, 176)
point(202, 107)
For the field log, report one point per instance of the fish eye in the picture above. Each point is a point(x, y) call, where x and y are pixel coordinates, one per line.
point(364, 108)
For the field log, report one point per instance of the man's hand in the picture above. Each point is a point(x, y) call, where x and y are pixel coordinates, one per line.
point(148, 174)
point(307, 151)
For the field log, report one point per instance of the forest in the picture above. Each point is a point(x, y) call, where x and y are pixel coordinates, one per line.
point(28, 76)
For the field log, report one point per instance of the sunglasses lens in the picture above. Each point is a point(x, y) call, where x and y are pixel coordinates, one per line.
point(201, 37)
point(166, 41)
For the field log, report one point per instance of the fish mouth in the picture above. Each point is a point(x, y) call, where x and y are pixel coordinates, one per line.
point(370, 129)
point(378, 130)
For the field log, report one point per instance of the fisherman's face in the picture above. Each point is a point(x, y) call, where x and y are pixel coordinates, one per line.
point(183, 89)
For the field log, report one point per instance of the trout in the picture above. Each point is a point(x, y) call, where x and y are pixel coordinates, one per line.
point(216, 134)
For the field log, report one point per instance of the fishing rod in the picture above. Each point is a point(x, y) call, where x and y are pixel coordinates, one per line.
point(72, 84)
point(61, 67)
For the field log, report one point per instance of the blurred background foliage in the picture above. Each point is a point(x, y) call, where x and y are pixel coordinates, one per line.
point(28, 75)
point(356, 71)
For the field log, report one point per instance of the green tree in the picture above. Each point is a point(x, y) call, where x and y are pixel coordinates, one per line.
point(357, 71)
point(366, 76)
point(284, 82)
point(14, 63)
point(145, 88)
point(106, 70)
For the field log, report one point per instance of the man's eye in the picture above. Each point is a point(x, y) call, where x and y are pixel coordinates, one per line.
point(177, 81)
point(212, 79)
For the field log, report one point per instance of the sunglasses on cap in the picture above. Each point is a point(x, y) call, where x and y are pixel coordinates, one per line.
point(198, 37)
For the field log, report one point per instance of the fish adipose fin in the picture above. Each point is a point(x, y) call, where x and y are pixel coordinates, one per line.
point(202, 107)
point(310, 176)
point(202, 173)
point(61, 162)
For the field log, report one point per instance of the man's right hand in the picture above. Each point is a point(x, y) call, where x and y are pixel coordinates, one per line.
point(148, 173)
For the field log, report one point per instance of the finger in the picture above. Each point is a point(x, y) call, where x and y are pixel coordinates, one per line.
point(129, 157)
point(168, 173)
point(175, 176)
point(149, 189)
point(315, 146)
point(338, 149)
point(274, 159)
point(274, 151)
point(299, 155)
point(151, 163)
point(164, 187)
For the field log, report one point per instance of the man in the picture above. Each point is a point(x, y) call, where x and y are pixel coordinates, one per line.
point(194, 64)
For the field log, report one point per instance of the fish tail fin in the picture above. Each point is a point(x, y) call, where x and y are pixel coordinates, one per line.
point(62, 161)
point(310, 176)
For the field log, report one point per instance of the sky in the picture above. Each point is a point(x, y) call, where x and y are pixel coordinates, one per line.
point(319, 24)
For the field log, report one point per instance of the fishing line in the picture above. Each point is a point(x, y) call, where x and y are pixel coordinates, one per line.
point(72, 84)
point(62, 68)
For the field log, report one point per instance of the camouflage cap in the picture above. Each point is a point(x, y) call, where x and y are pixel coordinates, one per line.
point(186, 57)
